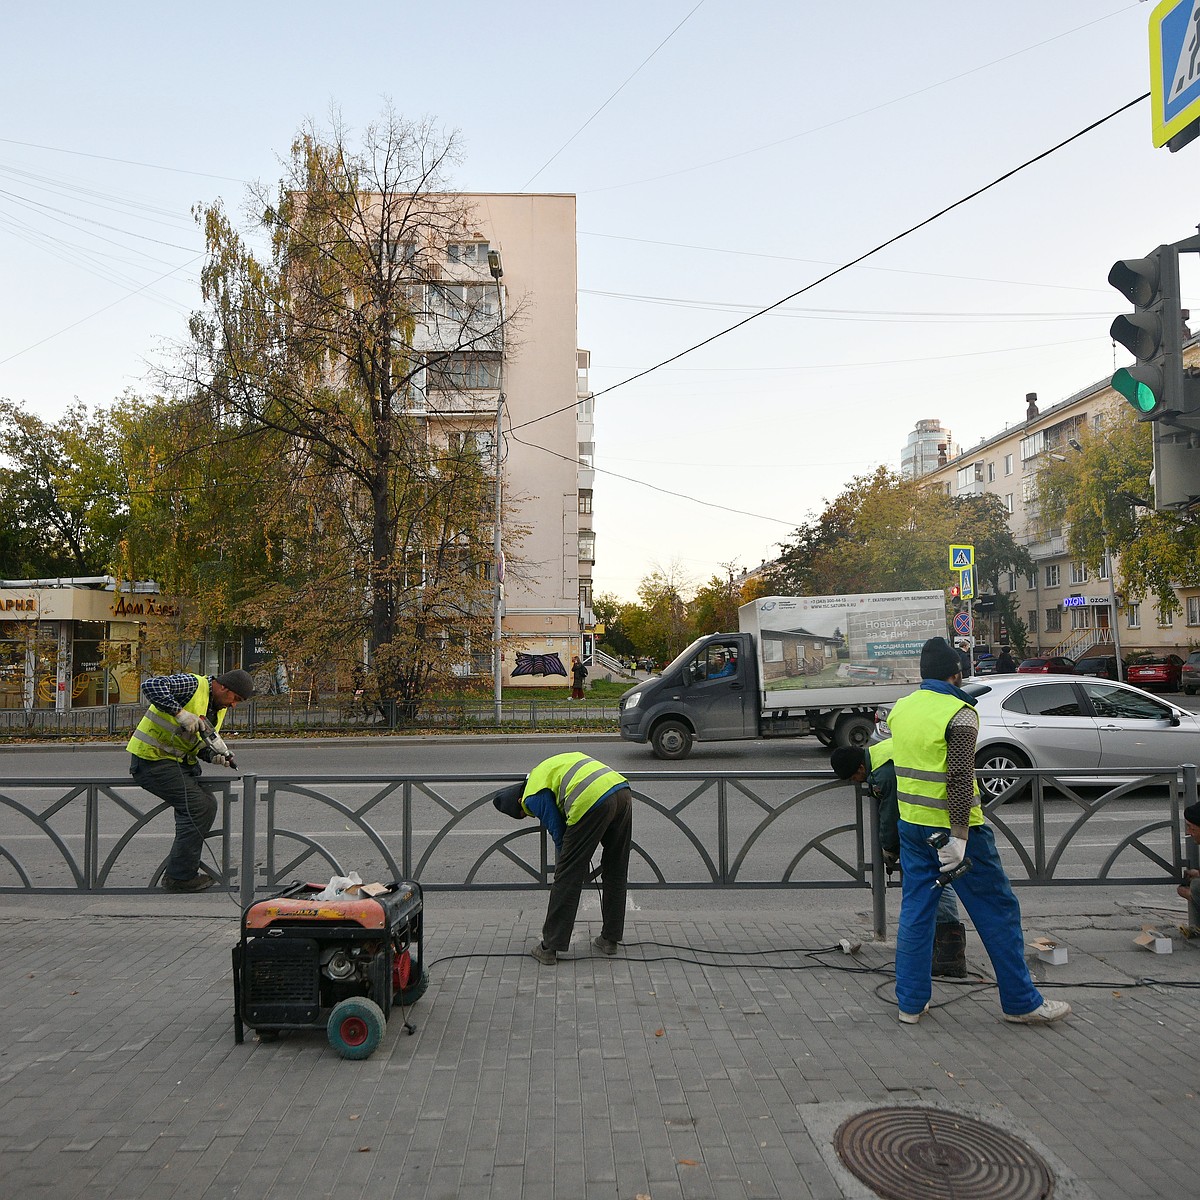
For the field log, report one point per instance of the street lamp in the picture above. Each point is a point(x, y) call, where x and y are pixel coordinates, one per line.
point(497, 270)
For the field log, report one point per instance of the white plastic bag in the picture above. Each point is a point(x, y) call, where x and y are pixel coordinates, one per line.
point(338, 886)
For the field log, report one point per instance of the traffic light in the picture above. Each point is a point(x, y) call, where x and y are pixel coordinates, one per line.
point(956, 597)
point(1152, 333)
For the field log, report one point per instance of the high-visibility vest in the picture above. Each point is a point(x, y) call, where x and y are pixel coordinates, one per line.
point(159, 735)
point(577, 781)
point(918, 724)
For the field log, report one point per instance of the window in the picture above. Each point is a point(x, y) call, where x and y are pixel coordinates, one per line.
point(1081, 618)
point(587, 546)
point(1028, 488)
point(1032, 446)
point(970, 475)
point(478, 443)
point(400, 252)
point(1052, 575)
point(587, 453)
point(1046, 700)
point(1031, 620)
point(1165, 619)
point(1110, 701)
point(1008, 464)
point(1193, 610)
point(585, 500)
point(1104, 568)
point(465, 372)
point(1008, 502)
point(1053, 620)
point(991, 472)
point(1134, 615)
point(1079, 572)
point(1031, 582)
point(717, 661)
point(472, 254)
point(585, 594)
point(462, 301)
point(1012, 581)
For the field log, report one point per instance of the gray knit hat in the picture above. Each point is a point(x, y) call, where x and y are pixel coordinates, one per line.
point(239, 682)
point(939, 660)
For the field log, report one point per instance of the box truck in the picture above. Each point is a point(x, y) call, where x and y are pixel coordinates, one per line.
point(798, 665)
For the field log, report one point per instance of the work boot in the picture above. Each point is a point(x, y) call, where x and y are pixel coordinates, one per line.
point(546, 957)
point(197, 883)
point(604, 945)
point(950, 950)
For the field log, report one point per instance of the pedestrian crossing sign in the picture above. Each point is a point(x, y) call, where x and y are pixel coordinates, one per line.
point(962, 557)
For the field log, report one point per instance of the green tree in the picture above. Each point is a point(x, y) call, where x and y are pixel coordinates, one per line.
point(658, 625)
point(714, 607)
point(64, 495)
point(1096, 494)
point(315, 369)
point(609, 610)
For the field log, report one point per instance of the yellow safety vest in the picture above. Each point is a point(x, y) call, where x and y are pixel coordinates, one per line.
point(918, 724)
point(160, 736)
point(577, 781)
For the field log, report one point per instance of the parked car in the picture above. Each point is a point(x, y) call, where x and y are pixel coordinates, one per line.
point(985, 664)
point(1189, 673)
point(1155, 671)
point(1101, 666)
point(1075, 725)
point(1052, 664)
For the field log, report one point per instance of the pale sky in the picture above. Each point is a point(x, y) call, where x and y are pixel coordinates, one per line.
point(724, 156)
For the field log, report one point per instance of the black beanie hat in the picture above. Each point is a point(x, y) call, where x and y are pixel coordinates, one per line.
point(939, 660)
point(239, 682)
point(508, 800)
point(845, 760)
point(1191, 814)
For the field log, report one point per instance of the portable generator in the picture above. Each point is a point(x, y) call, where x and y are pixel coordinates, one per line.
point(340, 965)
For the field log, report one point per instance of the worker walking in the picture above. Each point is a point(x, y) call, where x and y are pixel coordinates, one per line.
point(934, 731)
point(166, 748)
point(583, 804)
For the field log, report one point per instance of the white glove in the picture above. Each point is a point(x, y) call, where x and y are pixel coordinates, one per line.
point(952, 853)
point(189, 722)
point(225, 760)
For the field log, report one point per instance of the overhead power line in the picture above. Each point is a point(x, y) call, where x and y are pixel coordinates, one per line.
point(1029, 162)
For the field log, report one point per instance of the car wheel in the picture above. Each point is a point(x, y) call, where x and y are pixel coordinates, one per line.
point(671, 740)
point(1189, 691)
point(1002, 758)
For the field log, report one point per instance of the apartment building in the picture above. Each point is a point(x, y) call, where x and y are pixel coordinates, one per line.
point(1067, 609)
point(547, 438)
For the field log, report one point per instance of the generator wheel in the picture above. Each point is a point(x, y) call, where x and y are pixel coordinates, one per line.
point(413, 993)
point(356, 1027)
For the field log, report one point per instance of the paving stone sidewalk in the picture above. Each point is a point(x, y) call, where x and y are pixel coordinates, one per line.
point(669, 1071)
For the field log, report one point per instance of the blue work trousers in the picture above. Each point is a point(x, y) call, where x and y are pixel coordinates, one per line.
point(988, 898)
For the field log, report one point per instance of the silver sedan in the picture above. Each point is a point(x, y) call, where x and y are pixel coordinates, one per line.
point(1077, 726)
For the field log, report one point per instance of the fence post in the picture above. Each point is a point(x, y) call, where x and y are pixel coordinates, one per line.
point(722, 833)
point(1190, 850)
point(249, 821)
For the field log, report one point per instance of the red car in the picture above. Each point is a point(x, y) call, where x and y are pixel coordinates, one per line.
point(1053, 664)
point(1155, 670)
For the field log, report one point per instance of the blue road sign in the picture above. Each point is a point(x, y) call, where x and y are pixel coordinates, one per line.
point(968, 582)
point(964, 556)
point(1174, 67)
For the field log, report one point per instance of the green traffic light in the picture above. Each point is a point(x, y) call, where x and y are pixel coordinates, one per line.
point(1139, 394)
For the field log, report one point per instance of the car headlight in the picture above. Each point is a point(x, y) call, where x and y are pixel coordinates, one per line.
point(632, 702)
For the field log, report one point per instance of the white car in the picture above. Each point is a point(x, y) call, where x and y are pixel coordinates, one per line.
point(1075, 725)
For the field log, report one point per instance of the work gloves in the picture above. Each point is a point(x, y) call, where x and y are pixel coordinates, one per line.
point(952, 853)
point(189, 722)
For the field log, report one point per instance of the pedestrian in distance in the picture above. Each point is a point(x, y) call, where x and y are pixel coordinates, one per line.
point(578, 675)
point(1189, 889)
point(872, 766)
point(582, 804)
point(166, 749)
point(934, 731)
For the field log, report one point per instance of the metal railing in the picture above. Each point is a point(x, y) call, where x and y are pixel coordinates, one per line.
point(691, 830)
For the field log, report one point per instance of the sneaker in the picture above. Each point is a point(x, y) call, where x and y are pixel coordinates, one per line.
point(196, 884)
point(1048, 1010)
point(912, 1018)
point(546, 957)
point(604, 945)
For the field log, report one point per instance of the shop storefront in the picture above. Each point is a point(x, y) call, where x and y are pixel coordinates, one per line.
point(77, 643)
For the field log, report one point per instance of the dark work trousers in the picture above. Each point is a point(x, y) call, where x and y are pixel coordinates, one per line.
point(609, 823)
point(195, 808)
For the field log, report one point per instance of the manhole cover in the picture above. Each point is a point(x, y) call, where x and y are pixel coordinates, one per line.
point(928, 1154)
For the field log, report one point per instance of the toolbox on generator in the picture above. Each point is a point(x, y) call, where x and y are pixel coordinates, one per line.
point(339, 965)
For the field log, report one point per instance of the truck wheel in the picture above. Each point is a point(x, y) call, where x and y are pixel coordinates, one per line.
point(853, 729)
point(824, 737)
point(356, 1027)
point(671, 740)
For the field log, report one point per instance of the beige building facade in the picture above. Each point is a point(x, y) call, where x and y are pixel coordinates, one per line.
point(546, 435)
point(1068, 610)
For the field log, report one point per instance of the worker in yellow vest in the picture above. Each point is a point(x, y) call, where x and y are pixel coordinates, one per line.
point(165, 751)
point(934, 731)
point(583, 804)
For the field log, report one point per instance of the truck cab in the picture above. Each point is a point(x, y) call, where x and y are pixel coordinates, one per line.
point(708, 693)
